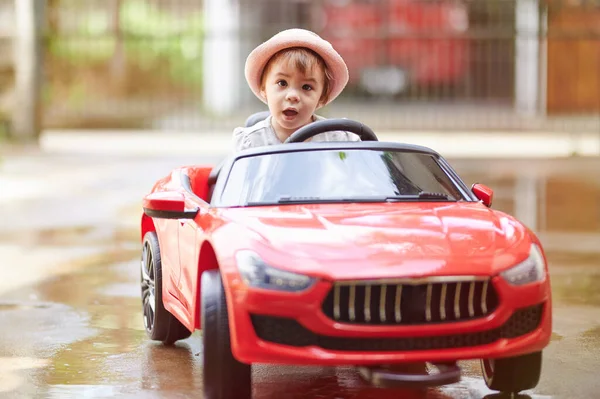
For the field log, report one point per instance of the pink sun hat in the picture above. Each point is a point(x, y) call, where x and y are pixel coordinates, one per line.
point(260, 56)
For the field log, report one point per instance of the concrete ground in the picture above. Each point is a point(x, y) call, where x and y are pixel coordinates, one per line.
point(70, 314)
point(501, 144)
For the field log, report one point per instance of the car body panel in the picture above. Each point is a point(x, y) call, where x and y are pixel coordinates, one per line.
point(336, 240)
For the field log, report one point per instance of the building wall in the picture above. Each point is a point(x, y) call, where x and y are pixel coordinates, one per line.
point(574, 58)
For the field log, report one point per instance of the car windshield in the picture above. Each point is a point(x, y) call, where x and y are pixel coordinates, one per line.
point(354, 175)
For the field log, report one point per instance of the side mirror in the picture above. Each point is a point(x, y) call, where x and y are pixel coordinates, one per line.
point(483, 193)
point(167, 205)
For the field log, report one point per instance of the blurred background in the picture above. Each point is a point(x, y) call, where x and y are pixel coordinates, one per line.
point(414, 64)
point(471, 67)
point(100, 98)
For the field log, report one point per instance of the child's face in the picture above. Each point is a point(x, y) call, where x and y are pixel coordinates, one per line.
point(292, 96)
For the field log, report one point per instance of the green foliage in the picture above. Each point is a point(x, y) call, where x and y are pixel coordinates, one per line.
point(152, 39)
point(4, 133)
point(4, 126)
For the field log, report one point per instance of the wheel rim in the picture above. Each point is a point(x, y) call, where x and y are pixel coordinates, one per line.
point(487, 368)
point(148, 280)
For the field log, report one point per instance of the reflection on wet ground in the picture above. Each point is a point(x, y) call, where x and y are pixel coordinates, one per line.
point(87, 326)
point(550, 196)
point(111, 355)
point(80, 333)
point(577, 287)
point(71, 235)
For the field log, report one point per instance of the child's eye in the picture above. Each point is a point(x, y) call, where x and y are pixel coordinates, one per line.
point(282, 83)
point(307, 87)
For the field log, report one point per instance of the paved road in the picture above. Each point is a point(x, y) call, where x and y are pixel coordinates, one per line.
point(70, 315)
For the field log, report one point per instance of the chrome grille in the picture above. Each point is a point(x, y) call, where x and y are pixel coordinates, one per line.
point(407, 302)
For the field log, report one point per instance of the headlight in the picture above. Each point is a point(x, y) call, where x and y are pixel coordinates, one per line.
point(256, 273)
point(530, 270)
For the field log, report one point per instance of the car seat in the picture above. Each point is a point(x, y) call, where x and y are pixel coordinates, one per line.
point(256, 117)
point(214, 174)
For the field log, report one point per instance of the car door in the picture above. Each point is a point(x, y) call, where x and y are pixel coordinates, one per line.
point(190, 233)
point(168, 238)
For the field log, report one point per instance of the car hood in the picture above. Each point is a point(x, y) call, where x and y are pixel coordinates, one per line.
point(385, 240)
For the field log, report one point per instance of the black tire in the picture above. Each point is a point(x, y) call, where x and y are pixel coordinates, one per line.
point(160, 325)
point(224, 376)
point(512, 374)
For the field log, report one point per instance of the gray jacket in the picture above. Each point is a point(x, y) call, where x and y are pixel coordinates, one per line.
point(263, 133)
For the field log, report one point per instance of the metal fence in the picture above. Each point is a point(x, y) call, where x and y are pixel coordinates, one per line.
point(415, 64)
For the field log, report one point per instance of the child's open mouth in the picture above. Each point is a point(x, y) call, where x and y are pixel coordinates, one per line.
point(290, 113)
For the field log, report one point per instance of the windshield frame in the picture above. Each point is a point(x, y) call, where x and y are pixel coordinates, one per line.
point(227, 165)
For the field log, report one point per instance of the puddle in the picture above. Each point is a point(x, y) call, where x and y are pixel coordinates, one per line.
point(10, 367)
point(556, 337)
point(4, 306)
point(21, 363)
point(591, 338)
point(127, 290)
point(576, 288)
point(103, 290)
point(88, 323)
point(72, 236)
point(81, 391)
point(540, 195)
point(41, 331)
point(93, 360)
point(570, 258)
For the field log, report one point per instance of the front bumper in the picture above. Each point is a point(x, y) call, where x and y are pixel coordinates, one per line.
point(284, 328)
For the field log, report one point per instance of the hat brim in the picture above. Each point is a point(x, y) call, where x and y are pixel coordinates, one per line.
point(260, 56)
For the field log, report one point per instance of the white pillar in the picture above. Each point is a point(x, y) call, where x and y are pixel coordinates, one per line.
point(527, 57)
point(28, 59)
point(222, 67)
point(526, 200)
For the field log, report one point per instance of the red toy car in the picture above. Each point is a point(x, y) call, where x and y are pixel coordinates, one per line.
point(392, 45)
point(346, 253)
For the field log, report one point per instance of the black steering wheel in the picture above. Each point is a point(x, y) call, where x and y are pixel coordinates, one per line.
point(331, 125)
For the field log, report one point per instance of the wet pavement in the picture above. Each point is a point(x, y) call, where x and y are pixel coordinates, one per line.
point(70, 310)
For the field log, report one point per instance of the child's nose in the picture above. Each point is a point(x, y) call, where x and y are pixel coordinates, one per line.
point(292, 95)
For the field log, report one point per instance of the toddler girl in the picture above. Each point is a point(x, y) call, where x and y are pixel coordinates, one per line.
point(295, 73)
